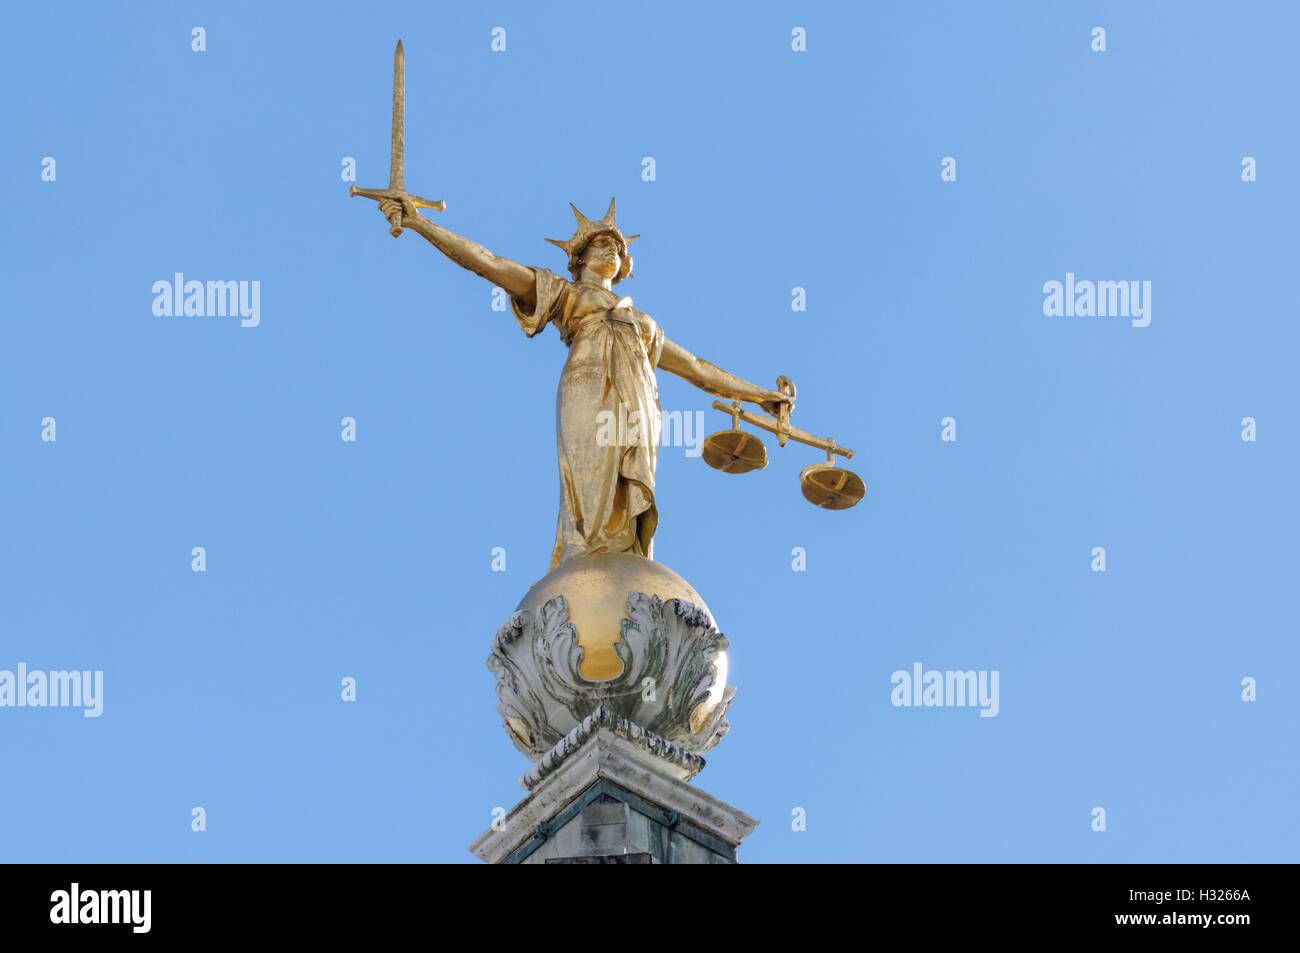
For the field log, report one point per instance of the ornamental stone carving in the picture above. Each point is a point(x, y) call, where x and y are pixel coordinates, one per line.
point(672, 683)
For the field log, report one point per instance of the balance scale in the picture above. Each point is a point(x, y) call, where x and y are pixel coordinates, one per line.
point(736, 451)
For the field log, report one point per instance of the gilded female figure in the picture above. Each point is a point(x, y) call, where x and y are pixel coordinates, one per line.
point(607, 490)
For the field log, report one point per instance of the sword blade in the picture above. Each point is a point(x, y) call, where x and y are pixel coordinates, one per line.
point(396, 160)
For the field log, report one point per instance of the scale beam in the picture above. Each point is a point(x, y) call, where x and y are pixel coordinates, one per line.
point(794, 433)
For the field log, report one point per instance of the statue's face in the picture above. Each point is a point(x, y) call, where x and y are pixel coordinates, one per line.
point(601, 257)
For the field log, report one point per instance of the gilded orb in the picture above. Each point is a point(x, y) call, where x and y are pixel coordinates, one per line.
point(615, 631)
point(596, 589)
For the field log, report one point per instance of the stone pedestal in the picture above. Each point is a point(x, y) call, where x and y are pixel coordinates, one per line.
point(612, 792)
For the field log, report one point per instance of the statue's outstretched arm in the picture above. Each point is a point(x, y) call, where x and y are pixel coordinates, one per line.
point(516, 279)
point(712, 379)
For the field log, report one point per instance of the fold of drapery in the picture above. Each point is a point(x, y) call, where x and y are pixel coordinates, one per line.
point(607, 417)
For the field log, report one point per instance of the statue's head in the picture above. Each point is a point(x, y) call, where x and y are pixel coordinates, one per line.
point(598, 246)
point(603, 257)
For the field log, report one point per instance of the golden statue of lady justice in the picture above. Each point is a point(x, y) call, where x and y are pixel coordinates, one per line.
point(607, 491)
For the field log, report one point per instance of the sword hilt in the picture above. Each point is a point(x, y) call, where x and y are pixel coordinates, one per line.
point(395, 220)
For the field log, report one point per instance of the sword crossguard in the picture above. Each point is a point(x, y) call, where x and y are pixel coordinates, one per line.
point(395, 222)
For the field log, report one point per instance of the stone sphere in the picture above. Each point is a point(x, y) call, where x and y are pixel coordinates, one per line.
point(596, 589)
point(618, 634)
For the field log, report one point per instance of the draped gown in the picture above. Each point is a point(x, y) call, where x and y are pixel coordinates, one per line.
point(607, 487)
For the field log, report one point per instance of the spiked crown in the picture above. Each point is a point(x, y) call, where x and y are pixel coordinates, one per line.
point(587, 230)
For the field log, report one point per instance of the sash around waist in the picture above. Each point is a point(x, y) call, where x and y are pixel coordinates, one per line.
point(590, 322)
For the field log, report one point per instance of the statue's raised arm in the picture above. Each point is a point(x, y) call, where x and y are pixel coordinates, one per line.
point(712, 379)
point(402, 209)
point(515, 278)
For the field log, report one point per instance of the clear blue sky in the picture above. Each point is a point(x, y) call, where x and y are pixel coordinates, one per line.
point(775, 169)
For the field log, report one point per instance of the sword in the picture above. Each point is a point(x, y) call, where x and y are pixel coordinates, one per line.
point(397, 157)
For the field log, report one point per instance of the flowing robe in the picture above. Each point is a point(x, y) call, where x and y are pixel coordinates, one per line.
point(607, 416)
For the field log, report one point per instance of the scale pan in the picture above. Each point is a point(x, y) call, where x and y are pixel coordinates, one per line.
point(831, 488)
point(734, 451)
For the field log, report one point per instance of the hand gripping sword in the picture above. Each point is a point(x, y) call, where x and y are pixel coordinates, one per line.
point(397, 162)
